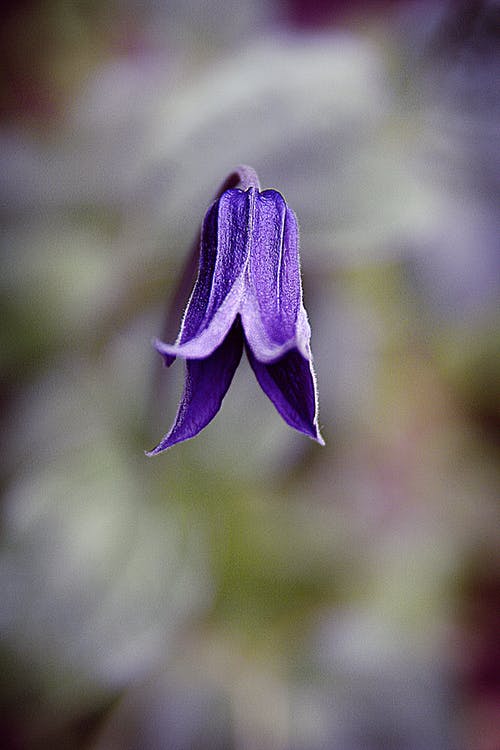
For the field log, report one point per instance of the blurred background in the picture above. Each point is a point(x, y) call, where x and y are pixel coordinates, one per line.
point(250, 590)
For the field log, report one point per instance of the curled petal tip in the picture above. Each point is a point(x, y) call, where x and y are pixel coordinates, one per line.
point(315, 434)
point(168, 359)
point(319, 438)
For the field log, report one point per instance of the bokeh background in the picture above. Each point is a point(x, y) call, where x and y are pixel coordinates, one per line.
point(250, 590)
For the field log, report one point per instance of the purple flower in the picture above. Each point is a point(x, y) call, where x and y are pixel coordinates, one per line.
point(248, 294)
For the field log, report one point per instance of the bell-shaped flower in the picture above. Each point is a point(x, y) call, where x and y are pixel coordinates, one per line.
point(248, 294)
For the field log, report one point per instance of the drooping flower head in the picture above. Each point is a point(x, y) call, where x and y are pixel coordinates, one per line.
point(248, 294)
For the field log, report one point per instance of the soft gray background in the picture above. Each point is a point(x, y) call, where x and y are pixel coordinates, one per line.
point(249, 590)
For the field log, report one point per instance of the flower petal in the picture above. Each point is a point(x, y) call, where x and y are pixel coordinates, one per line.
point(273, 315)
point(290, 383)
point(217, 294)
point(207, 382)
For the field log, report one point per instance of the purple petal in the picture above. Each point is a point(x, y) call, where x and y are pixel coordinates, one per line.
point(290, 383)
point(217, 294)
point(207, 382)
point(274, 318)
